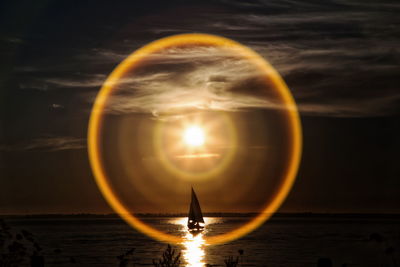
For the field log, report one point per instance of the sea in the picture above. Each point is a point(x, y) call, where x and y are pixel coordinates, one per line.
point(290, 240)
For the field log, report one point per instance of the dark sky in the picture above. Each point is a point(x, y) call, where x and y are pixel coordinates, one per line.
point(340, 59)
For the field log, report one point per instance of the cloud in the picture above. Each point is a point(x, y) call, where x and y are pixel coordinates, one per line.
point(211, 78)
point(380, 106)
point(91, 81)
point(198, 156)
point(191, 78)
point(56, 106)
point(339, 59)
point(71, 81)
point(50, 143)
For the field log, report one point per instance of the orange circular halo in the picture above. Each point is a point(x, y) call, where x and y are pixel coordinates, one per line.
point(95, 123)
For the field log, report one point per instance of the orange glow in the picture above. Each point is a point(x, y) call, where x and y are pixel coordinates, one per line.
point(96, 119)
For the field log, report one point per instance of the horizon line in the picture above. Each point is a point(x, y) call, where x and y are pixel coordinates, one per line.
point(206, 214)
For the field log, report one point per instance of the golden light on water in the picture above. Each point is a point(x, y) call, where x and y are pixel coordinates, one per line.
point(181, 161)
point(193, 251)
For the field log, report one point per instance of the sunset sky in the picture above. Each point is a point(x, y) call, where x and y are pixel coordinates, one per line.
point(340, 60)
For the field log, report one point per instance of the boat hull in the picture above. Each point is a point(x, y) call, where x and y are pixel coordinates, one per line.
point(196, 231)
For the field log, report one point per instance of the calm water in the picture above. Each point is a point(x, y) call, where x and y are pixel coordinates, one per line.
point(280, 242)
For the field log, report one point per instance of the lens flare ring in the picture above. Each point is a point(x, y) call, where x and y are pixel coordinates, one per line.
point(96, 121)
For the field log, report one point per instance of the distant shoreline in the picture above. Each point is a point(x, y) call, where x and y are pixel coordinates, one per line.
point(217, 214)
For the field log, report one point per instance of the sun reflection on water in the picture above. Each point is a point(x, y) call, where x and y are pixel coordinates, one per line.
point(193, 251)
point(194, 245)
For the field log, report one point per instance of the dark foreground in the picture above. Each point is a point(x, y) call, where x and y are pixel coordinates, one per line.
point(283, 241)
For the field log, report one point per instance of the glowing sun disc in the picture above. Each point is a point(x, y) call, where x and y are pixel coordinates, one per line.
point(194, 136)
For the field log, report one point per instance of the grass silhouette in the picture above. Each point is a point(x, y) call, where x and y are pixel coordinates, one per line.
point(169, 258)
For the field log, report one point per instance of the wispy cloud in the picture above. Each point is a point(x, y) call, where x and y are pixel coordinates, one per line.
point(339, 58)
point(71, 81)
point(50, 143)
point(212, 79)
point(199, 156)
point(198, 78)
point(362, 108)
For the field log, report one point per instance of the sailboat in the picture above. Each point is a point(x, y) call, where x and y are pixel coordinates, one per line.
point(195, 217)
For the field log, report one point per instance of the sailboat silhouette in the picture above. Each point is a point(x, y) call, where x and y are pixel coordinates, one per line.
point(195, 217)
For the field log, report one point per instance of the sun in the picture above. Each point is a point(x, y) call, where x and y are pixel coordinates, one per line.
point(194, 136)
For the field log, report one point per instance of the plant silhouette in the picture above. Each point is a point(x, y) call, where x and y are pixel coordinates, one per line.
point(169, 258)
